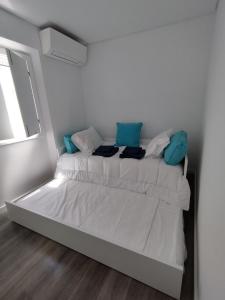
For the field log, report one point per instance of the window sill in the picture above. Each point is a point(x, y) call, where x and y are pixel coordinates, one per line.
point(15, 141)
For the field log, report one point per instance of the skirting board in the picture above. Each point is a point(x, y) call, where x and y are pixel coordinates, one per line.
point(159, 275)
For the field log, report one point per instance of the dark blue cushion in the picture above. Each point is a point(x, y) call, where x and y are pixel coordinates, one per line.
point(177, 148)
point(128, 134)
point(70, 147)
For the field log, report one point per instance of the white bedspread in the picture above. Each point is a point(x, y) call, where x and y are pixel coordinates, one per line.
point(147, 176)
point(132, 220)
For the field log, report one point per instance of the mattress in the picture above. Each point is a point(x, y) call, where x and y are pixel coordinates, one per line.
point(149, 176)
point(136, 221)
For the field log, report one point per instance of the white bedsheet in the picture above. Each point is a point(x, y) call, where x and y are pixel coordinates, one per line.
point(133, 220)
point(147, 176)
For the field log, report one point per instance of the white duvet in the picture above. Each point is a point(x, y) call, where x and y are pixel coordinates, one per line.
point(149, 176)
point(132, 220)
point(136, 204)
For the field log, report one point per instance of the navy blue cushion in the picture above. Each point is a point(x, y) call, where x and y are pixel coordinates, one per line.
point(70, 147)
point(128, 134)
point(177, 149)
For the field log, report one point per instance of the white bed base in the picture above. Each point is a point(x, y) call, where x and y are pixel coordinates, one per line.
point(159, 275)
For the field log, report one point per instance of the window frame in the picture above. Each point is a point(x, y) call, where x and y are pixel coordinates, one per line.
point(28, 59)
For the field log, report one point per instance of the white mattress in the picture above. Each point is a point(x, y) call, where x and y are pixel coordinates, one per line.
point(146, 176)
point(136, 221)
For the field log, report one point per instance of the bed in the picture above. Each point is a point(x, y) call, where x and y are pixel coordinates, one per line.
point(125, 213)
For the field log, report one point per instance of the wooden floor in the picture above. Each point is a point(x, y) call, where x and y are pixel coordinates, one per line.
point(34, 267)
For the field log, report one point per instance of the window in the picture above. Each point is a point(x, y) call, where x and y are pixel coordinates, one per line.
point(18, 111)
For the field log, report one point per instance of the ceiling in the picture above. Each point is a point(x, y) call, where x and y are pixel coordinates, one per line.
point(97, 20)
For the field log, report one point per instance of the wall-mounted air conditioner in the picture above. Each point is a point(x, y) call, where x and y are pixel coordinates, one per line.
point(60, 46)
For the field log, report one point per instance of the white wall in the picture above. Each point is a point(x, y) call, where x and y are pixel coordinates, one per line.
point(64, 91)
point(25, 165)
point(211, 208)
point(158, 77)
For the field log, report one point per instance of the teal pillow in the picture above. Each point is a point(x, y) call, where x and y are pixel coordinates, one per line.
point(70, 147)
point(177, 149)
point(128, 134)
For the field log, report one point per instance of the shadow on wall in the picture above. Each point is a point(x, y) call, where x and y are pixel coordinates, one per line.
point(22, 168)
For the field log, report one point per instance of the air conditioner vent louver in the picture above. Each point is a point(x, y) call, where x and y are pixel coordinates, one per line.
point(59, 46)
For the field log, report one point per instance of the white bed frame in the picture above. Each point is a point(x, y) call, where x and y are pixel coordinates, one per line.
point(157, 274)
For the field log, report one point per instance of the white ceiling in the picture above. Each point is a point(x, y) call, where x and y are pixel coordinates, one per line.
point(97, 20)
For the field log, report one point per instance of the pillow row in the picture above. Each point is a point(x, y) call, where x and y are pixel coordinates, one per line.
point(173, 147)
point(128, 134)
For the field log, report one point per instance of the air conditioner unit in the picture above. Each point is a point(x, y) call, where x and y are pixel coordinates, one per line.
point(60, 46)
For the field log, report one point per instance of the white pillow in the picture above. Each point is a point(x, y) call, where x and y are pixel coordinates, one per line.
point(87, 140)
point(158, 144)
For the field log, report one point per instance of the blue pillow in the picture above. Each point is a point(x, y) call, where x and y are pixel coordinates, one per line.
point(177, 149)
point(128, 134)
point(70, 147)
